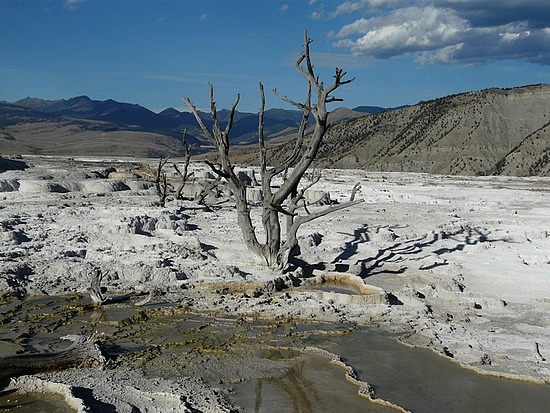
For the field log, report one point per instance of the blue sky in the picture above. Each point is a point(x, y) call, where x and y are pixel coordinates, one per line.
point(155, 52)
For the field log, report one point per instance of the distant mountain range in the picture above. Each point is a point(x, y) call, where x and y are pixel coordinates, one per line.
point(87, 126)
point(494, 131)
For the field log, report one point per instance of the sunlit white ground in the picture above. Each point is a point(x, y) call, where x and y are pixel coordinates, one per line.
point(466, 260)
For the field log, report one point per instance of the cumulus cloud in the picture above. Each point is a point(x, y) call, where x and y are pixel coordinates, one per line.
point(405, 30)
point(319, 13)
point(446, 31)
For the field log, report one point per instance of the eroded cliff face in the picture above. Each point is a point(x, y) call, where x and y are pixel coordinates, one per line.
point(489, 132)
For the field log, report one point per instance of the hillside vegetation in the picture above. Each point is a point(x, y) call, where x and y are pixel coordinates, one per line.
point(490, 132)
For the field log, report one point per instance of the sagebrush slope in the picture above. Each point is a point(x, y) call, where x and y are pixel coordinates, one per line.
point(494, 131)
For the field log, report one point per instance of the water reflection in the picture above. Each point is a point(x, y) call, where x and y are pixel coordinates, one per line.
point(421, 381)
point(312, 385)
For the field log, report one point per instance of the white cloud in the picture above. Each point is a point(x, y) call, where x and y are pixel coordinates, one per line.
point(349, 7)
point(443, 55)
point(203, 17)
point(444, 31)
point(284, 7)
point(72, 4)
point(404, 30)
point(509, 37)
point(317, 15)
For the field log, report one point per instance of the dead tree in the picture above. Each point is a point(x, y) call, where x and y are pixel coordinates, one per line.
point(286, 199)
point(210, 189)
point(96, 291)
point(184, 175)
point(161, 184)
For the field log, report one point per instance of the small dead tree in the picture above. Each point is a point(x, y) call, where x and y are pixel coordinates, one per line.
point(97, 292)
point(161, 184)
point(286, 199)
point(184, 175)
point(209, 189)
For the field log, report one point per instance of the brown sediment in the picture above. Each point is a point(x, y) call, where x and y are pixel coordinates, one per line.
point(352, 280)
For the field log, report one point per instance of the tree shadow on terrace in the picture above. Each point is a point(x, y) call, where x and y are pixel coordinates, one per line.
point(391, 259)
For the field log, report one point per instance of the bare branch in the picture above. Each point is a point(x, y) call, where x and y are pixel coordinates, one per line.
point(261, 141)
point(214, 116)
point(283, 211)
point(302, 219)
point(300, 106)
point(209, 188)
point(195, 113)
point(184, 175)
point(231, 117)
point(161, 183)
point(216, 169)
point(338, 81)
point(305, 55)
point(274, 251)
point(162, 162)
point(313, 177)
point(356, 187)
point(294, 156)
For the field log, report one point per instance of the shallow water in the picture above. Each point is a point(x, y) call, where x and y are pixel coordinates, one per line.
point(263, 363)
point(422, 381)
point(312, 385)
point(34, 403)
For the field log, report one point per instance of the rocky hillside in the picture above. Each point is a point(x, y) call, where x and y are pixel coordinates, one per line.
point(489, 132)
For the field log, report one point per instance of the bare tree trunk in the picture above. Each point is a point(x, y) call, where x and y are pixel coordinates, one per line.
point(83, 352)
point(274, 251)
point(161, 184)
point(96, 291)
point(184, 176)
